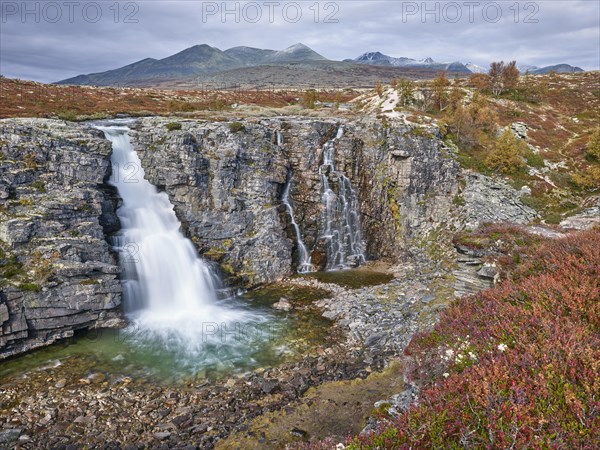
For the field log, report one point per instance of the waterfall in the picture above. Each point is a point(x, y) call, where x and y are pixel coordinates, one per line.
point(305, 265)
point(340, 216)
point(169, 292)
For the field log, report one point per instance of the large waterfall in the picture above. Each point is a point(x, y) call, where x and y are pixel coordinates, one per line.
point(341, 220)
point(169, 292)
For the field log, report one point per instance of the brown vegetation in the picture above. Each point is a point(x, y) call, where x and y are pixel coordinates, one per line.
point(515, 366)
point(29, 99)
point(561, 112)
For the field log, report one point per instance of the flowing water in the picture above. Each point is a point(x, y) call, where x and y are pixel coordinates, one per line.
point(181, 323)
point(305, 265)
point(170, 293)
point(342, 232)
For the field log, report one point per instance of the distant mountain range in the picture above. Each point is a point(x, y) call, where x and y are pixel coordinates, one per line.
point(379, 59)
point(558, 68)
point(203, 62)
point(197, 60)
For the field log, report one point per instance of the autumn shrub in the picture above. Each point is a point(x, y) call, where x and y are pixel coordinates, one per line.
point(309, 99)
point(473, 125)
point(439, 89)
point(593, 145)
point(378, 88)
point(507, 153)
point(589, 179)
point(172, 126)
point(480, 81)
point(503, 77)
point(533, 159)
point(69, 116)
point(406, 91)
point(236, 127)
point(515, 366)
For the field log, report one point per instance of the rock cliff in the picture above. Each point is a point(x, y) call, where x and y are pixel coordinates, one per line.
point(226, 181)
point(58, 274)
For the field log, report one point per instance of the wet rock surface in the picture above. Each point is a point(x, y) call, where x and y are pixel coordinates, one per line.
point(382, 319)
point(58, 273)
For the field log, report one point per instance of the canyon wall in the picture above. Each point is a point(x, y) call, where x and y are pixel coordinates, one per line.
point(57, 272)
point(226, 181)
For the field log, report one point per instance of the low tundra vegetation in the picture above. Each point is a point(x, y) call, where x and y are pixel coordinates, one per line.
point(172, 126)
point(511, 367)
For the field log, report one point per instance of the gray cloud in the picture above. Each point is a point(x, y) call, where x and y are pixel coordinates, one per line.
point(32, 47)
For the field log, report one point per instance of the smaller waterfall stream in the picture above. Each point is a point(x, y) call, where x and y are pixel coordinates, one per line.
point(341, 218)
point(305, 265)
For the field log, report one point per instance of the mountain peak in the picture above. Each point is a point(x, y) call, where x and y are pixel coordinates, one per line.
point(558, 68)
point(196, 54)
point(244, 48)
point(197, 49)
point(199, 46)
point(475, 68)
point(380, 59)
point(297, 52)
point(296, 47)
point(372, 56)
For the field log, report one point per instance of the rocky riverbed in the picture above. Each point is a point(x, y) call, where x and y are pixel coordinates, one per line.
point(72, 403)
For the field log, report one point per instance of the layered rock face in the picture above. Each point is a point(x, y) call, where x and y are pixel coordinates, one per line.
point(226, 182)
point(58, 274)
point(488, 200)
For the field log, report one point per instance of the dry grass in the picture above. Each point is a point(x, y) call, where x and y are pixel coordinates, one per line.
point(20, 98)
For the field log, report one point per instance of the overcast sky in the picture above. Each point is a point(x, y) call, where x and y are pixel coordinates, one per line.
point(52, 40)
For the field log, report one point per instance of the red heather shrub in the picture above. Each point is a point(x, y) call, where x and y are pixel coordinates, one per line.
point(517, 366)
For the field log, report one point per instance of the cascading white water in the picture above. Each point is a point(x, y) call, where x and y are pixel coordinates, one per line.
point(341, 218)
point(169, 292)
point(305, 265)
